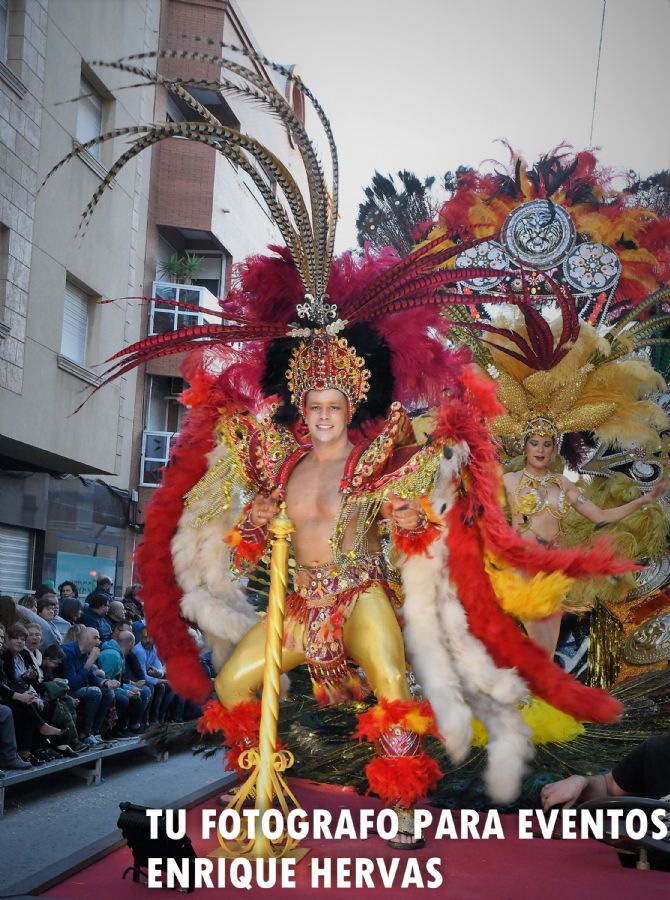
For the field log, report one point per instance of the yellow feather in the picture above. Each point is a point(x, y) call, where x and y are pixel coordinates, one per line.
point(526, 598)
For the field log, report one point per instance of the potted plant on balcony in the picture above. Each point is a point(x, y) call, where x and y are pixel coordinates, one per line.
point(180, 269)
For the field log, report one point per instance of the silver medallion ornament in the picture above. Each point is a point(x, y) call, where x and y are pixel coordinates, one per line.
point(539, 234)
point(487, 255)
point(591, 268)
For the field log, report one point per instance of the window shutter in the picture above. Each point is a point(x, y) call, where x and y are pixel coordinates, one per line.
point(16, 560)
point(75, 324)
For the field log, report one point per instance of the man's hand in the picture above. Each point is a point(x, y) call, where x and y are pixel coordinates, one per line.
point(563, 793)
point(112, 683)
point(405, 514)
point(26, 697)
point(264, 508)
point(92, 656)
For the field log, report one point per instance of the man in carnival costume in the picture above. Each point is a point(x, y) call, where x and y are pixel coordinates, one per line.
point(311, 410)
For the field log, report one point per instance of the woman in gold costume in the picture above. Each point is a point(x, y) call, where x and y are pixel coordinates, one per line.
point(539, 500)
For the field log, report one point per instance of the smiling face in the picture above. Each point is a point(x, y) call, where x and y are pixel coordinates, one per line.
point(539, 450)
point(326, 415)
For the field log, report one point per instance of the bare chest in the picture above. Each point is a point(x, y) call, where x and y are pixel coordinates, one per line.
point(313, 492)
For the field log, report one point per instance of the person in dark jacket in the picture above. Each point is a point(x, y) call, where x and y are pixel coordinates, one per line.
point(23, 700)
point(94, 693)
point(95, 616)
point(103, 588)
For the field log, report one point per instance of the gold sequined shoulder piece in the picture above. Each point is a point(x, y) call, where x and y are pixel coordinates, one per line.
point(367, 463)
point(261, 448)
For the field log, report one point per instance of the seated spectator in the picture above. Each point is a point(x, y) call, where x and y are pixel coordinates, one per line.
point(74, 632)
point(644, 772)
point(46, 616)
point(103, 588)
point(129, 700)
point(23, 700)
point(29, 602)
point(132, 603)
point(95, 616)
point(70, 612)
point(9, 759)
point(132, 679)
point(95, 693)
point(67, 591)
point(120, 628)
point(33, 640)
point(60, 707)
point(8, 611)
point(154, 675)
point(116, 615)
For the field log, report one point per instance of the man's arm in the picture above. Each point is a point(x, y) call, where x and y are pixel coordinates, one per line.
point(579, 788)
point(79, 678)
point(141, 657)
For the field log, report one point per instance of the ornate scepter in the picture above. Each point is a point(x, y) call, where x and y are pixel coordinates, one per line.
point(266, 782)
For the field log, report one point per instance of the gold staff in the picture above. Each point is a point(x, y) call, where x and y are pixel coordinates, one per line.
point(266, 780)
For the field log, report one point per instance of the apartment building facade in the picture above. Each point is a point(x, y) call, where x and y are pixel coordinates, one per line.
point(75, 487)
point(53, 522)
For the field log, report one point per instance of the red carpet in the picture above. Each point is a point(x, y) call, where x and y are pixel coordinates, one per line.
point(509, 869)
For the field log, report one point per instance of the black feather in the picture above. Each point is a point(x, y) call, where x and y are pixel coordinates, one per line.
point(367, 342)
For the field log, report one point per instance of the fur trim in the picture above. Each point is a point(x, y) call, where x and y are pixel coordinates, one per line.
point(402, 780)
point(426, 648)
point(211, 598)
point(161, 592)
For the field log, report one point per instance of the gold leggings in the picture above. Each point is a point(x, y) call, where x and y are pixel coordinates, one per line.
point(372, 638)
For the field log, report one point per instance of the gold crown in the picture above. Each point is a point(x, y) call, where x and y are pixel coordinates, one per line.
point(322, 362)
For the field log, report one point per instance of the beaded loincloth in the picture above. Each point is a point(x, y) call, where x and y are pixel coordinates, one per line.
point(316, 613)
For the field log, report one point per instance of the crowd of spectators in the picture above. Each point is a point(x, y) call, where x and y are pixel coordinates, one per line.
point(78, 674)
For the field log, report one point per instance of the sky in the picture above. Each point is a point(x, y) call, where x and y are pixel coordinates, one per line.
point(429, 85)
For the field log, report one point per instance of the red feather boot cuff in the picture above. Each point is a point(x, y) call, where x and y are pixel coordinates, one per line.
point(239, 725)
point(403, 772)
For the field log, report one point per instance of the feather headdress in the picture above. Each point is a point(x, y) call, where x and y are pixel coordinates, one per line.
point(309, 292)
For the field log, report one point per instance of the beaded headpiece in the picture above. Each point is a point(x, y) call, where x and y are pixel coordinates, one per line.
point(322, 362)
point(540, 427)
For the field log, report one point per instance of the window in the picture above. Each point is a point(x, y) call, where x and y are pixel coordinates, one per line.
point(74, 338)
point(164, 417)
point(89, 116)
point(4, 29)
point(163, 317)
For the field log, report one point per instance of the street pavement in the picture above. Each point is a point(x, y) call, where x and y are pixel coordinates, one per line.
point(49, 818)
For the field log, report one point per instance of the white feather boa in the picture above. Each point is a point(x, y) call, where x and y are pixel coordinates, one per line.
point(454, 668)
point(212, 598)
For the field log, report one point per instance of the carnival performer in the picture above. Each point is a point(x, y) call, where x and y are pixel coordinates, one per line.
point(565, 346)
point(539, 500)
point(300, 394)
